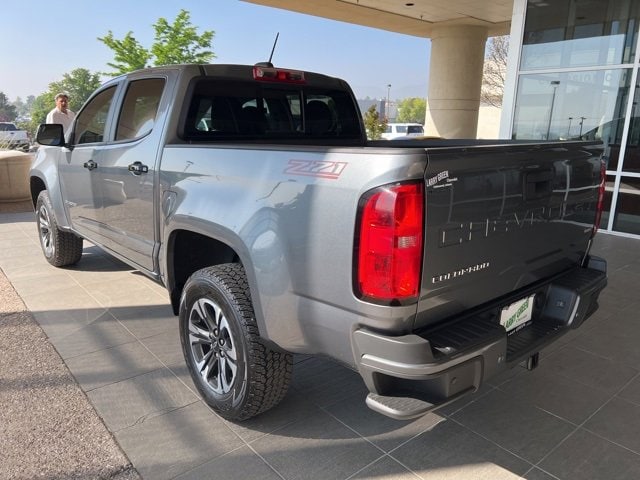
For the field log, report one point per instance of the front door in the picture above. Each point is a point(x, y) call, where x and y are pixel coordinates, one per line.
point(80, 162)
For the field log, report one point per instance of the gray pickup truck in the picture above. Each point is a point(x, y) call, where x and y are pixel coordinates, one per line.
point(253, 195)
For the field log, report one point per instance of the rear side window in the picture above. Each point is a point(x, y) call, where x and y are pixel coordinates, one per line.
point(248, 110)
point(415, 129)
point(139, 109)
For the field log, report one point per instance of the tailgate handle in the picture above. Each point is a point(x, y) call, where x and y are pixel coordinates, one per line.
point(537, 184)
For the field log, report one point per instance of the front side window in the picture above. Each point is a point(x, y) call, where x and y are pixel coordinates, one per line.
point(92, 120)
point(139, 109)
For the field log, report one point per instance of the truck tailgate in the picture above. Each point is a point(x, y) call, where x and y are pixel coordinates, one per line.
point(501, 218)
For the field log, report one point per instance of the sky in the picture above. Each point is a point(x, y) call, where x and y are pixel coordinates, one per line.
point(43, 40)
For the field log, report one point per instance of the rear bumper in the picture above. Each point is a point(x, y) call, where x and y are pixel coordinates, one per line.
point(412, 374)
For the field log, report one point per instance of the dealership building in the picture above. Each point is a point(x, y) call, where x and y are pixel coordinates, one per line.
point(572, 73)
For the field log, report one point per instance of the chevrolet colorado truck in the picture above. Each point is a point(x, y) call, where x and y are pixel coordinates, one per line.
point(12, 137)
point(253, 195)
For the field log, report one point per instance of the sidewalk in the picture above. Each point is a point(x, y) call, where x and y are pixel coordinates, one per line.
point(47, 425)
point(575, 417)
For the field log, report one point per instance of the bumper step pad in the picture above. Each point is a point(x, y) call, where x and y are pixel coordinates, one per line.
point(407, 407)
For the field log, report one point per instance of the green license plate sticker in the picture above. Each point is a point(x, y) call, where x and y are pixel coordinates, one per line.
point(517, 314)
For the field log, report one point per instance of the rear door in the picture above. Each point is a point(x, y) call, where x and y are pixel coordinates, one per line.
point(500, 218)
point(127, 171)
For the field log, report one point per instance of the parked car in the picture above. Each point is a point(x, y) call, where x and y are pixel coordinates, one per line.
point(13, 138)
point(404, 130)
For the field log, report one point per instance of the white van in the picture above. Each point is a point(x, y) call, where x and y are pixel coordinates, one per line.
point(404, 130)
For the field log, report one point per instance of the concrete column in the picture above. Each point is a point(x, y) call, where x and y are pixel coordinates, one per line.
point(455, 79)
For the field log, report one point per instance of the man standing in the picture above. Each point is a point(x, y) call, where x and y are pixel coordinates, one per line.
point(61, 114)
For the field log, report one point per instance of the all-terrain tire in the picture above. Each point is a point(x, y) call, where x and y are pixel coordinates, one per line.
point(60, 248)
point(236, 373)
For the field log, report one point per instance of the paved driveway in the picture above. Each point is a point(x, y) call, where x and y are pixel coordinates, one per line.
point(576, 416)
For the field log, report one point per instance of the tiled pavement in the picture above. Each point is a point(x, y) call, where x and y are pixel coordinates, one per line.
point(576, 417)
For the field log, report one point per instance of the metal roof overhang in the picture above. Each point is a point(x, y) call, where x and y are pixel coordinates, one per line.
point(417, 17)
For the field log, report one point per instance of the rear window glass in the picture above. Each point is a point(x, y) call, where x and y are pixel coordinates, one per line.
point(139, 108)
point(7, 127)
point(248, 110)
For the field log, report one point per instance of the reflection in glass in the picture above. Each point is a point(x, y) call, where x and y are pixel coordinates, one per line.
point(570, 105)
point(627, 217)
point(608, 197)
point(632, 150)
point(572, 33)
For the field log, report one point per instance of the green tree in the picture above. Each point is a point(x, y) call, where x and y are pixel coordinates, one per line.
point(373, 124)
point(177, 42)
point(23, 107)
point(79, 84)
point(129, 54)
point(7, 109)
point(180, 42)
point(412, 110)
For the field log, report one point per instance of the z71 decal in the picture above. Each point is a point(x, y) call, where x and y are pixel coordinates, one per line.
point(317, 168)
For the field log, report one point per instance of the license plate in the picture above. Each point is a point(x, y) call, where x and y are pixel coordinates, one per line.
point(517, 314)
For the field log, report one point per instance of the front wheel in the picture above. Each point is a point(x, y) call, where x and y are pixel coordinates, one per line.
point(60, 248)
point(235, 372)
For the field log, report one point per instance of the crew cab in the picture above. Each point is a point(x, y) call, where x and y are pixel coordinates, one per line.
point(253, 195)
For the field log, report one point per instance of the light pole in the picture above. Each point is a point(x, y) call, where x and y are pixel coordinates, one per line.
point(554, 84)
point(388, 105)
point(582, 119)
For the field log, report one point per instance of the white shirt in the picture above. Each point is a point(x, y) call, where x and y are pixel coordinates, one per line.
point(57, 116)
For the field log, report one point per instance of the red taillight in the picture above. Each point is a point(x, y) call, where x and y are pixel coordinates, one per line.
point(601, 191)
point(269, 74)
point(390, 243)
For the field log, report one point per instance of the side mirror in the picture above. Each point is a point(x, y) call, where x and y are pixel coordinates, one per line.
point(50, 135)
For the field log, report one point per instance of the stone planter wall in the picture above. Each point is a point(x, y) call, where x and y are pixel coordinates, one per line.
point(14, 176)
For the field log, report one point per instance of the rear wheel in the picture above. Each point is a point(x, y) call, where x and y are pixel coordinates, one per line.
point(236, 373)
point(60, 248)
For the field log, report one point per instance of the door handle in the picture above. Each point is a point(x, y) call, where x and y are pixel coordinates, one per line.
point(91, 165)
point(137, 168)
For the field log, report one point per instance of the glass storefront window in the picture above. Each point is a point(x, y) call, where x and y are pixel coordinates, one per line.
point(608, 198)
point(577, 33)
point(571, 105)
point(627, 217)
point(577, 60)
point(632, 150)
